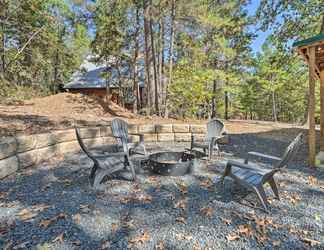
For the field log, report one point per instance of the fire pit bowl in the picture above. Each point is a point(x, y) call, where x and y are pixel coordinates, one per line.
point(172, 163)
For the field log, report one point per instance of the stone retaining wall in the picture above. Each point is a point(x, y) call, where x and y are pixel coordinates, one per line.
point(23, 151)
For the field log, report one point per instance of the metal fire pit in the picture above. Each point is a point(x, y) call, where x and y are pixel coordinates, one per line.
point(172, 163)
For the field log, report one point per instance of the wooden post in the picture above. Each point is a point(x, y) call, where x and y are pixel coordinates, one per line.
point(322, 109)
point(311, 108)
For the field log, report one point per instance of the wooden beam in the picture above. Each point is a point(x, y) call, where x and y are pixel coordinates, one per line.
point(322, 109)
point(311, 109)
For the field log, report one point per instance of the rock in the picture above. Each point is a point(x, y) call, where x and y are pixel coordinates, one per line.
point(45, 139)
point(146, 129)
point(132, 128)
point(64, 135)
point(28, 158)
point(199, 137)
point(8, 166)
point(163, 128)
point(8, 147)
point(180, 128)
point(150, 137)
point(105, 131)
point(182, 137)
point(86, 133)
point(165, 137)
point(26, 143)
point(198, 129)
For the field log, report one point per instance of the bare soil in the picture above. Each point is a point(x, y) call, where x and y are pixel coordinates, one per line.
point(65, 110)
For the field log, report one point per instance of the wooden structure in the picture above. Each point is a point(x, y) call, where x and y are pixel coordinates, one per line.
point(312, 50)
point(254, 177)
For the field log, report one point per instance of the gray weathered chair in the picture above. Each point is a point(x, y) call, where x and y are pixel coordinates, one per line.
point(253, 177)
point(104, 165)
point(119, 130)
point(215, 131)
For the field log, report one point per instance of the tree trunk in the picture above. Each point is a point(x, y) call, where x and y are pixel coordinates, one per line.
point(226, 103)
point(166, 114)
point(274, 108)
point(156, 98)
point(161, 61)
point(107, 84)
point(213, 108)
point(56, 65)
point(147, 58)
point(3, 47)
point(322, 25)
point(135, 80)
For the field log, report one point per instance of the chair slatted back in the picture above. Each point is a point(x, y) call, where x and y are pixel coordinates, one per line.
point(215, 128)
point(119, 130)
point(290, 151)
point(83, 147)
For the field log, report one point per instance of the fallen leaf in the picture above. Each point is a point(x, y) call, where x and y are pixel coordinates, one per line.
point(59, 238)
point(76, 242)
point(227, 221)
point(139, 239)
point(197, 247)
point(45, 223)
point(125, 200)
point(276, 243)
point(311, 242)
point(181, 220)
point(26, 214)
point(184, 237)
point(144, 198)
point(312, 180)
point(261, 239)
point(39, 207)
point(77, 218)
point(207, 184)
point(245, 230)
point(105, 245)
point(183, 188)
point(159, 246)
point(114, 227)
point(207, 211)
point(181, 204)
point(232, 237)
point(3, 195)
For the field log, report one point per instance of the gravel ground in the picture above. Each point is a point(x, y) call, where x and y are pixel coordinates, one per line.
point(52, 206)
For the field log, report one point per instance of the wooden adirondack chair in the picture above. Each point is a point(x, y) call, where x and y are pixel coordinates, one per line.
point(120, 132)
point(254, 178)
point(215, 130)
point(105, 164)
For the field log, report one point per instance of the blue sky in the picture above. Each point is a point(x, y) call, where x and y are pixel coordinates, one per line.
point(261, 36)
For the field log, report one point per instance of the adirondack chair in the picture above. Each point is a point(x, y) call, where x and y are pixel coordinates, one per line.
point(215, 131)
point(120, 132)
point(253, 177)
point(104, 165)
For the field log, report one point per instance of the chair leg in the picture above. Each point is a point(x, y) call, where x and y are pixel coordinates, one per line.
point(274, 187)
point(93, 173)
point(131, 166)
point(262, 197)
point(98, 178)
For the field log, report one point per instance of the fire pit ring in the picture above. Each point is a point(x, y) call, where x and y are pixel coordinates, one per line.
point(172, 163)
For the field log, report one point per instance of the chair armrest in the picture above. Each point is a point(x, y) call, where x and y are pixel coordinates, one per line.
point(257, 154)
point(141, 136)
point(241, 165)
